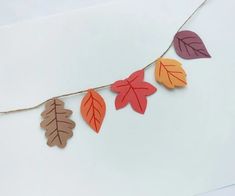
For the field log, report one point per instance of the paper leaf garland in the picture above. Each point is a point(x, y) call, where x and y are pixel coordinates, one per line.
point(170, 73)
point(133, 90)
point(189, 45)
point(93, 109)
point(56, 123)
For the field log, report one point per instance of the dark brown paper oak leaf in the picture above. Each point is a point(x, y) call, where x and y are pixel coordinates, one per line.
point(57, 124)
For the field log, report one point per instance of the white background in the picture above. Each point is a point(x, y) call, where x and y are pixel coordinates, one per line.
point(182, 146)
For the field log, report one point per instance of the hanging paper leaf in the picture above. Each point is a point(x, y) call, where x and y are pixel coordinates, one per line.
point(170, 73)
point(189, 45)
point(93, 109)
point(133, 90)
point(56, 123)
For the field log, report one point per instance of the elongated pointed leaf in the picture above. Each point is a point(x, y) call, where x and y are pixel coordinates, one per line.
point(93, 109)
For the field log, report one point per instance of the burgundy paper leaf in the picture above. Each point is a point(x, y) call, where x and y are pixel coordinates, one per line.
point(189, 45)
point(133, 90)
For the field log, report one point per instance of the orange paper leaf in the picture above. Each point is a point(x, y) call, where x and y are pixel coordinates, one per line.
point(93, 110)
point(170, 73)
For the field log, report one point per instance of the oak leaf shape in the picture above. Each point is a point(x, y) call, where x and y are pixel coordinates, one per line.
point(57, 124)
point(134, 91)
point(189, 45)
point(170, 73)
point(93, 109)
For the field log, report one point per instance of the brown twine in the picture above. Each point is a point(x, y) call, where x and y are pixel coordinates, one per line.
point(107, 85)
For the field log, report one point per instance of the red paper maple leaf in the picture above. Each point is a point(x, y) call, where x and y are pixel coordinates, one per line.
point(133, 90)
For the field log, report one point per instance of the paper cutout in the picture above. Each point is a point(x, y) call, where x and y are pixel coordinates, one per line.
point(133, 90)
point(93, 109)
point(56, 123)
point(189, 45)
point(170, 73)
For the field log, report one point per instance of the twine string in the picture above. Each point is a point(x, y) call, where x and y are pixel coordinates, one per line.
point(107, 85)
